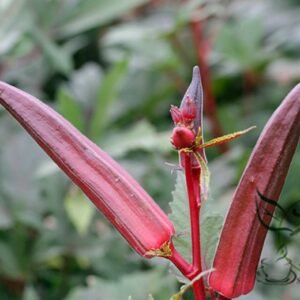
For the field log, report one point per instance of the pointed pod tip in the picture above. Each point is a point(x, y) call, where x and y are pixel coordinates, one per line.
point(296, 90)
point(297, 86)
point(194, 92)
point(2, 87)
point(294, 94)
point(196, 72)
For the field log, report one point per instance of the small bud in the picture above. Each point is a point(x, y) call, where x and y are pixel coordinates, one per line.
point(176, 114)
point(194, 94)
point(182, 137)
point(189, 110)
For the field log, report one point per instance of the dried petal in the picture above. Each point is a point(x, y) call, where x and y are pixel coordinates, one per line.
point(225, 138)
point(122, 200)
point(243, 235)
point(204, 175)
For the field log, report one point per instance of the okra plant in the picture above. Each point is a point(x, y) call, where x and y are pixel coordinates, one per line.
point(147, 229)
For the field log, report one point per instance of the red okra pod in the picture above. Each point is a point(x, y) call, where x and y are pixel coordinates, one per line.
point(243, 234)
point(113, 191)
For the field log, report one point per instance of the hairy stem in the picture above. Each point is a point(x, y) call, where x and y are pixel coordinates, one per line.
point(182, 265)
point(193, 188)
point(194, 212)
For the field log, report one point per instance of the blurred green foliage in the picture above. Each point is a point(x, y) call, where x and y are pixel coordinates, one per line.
point(112, 68)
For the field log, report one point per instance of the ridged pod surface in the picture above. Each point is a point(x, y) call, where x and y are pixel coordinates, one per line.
point(243, 234)
point(113, 191)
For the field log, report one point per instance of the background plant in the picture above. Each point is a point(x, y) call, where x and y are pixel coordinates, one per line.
point(114, 70)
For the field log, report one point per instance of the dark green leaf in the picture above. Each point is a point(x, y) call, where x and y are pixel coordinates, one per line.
point(30, 294)
point(69, 108)
point(181, 218)
point(106, 95)
point(58, 58)
point(141, 136)
point(79, 210)
point(90, 14)
point(137, 285)
point(9, 265)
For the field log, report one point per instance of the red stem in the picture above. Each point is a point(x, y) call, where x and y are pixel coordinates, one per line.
point(183, 266)
point(199, 290)
point(212, 294)
point(192, 180)
point(221, 297)
point(194, 213)
point(189, 272)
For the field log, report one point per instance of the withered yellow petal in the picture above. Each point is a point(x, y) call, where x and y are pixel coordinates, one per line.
point(225, 138)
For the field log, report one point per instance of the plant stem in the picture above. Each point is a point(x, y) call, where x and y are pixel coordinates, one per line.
point(183, 266)
point(194, 212)
point(199, 291)
point(212, 294)
point(189, 272)
point(221, 297)
point(193, 188)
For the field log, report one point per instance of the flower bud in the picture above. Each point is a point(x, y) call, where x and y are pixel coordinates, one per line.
point(182, 137)
point(176, 114)
point(189, 110)
point(192, 101)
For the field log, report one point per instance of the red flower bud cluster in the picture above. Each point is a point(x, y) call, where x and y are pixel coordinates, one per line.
point(188, 117)
point(185, 115)
point(183, 135)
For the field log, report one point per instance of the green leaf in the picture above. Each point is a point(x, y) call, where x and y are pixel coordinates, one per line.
point(210, 232)
point(19, 184)
point(141, 136)
point(210, 223)
point(106, 95)
point(58, 58)
point(69, 108)
point(9, 265)
point(241, 42)
point(204, 176)
point(46, 168)
point(136, 286)
point(47, 252)
point(186, 11)
point(91, 14)
point(84, 85)
point(180, 217)
point(14, 22)
point(30, 294)
point(6, 220)
point(79, 210)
